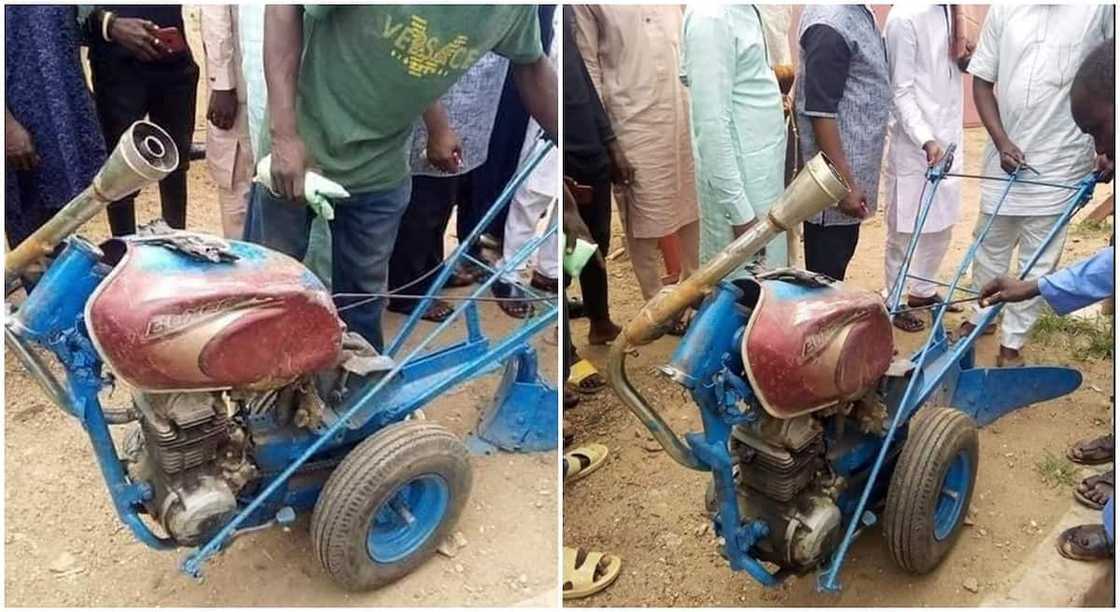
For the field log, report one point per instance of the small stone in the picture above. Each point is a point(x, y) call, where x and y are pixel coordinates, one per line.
point(63, 563)
point(971, 584)
point(983, 532)
point(459, 568)
point(460, 539)
point(1034, 525)
point(447, 549)
point(968, 520)
point(702, 529)
point(523, 579)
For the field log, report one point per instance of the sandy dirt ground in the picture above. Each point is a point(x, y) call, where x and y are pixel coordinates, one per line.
point(649, 510)
point(64, 545)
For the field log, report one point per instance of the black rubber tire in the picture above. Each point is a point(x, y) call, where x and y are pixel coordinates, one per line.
point(937, 435)
point(372, 471)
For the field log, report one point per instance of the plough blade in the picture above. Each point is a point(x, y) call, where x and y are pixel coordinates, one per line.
point(986, 394)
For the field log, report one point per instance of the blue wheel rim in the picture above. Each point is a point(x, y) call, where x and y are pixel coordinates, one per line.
point(950, 499)
point(407, 518)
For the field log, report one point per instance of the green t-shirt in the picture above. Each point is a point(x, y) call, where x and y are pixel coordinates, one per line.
point(369, 71)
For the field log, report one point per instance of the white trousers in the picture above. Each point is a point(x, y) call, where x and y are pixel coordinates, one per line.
point(993, 259)
point(928, 255)
point(525, 211)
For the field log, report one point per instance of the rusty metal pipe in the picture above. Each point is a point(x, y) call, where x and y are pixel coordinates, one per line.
point(145, 154)
point(814, 189)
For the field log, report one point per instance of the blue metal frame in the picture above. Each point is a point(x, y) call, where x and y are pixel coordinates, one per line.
point(940, 363)
point(53, 316)
point(707, 359)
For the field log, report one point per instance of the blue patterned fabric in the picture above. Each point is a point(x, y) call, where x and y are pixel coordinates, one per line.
point(45, 90)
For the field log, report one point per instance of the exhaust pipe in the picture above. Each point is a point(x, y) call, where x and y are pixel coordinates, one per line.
point(814, 189)
point(145, 154)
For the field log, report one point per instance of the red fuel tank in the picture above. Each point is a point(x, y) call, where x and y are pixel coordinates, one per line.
point(166, 321)
point(808, 347)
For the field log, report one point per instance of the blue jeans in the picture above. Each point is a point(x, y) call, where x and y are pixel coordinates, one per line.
point(362, 235)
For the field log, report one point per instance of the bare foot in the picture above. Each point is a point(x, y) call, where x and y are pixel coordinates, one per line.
point(602, 332)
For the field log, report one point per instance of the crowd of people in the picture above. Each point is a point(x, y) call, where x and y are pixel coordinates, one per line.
point(697, 117)
point(433, 118)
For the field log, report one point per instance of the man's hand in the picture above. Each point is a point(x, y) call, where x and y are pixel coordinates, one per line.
point(574, 227)
point(289, 164)
point(622, 173)
point(222, 111)
point(19, 150)
point(739, 230)
point(1105, 167)
point(933, 152)
point(854, 204)
point(445, 150)
point(1005, 290)
point(1010, 157)
point(139, 37)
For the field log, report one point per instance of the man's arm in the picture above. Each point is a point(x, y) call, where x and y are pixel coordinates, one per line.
point(984, 95)
point(708, 65)
point(902, 51)
point(1072, 288)
point(536, 82)
point(217, 45)
point(283, 44)
point(585, 26)
point(984, 67)
point(444, 149)
point(827, 60)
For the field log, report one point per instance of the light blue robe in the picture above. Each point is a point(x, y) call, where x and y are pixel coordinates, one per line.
point(738, 127)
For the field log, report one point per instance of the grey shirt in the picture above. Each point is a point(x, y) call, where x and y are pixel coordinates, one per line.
point(843, 67)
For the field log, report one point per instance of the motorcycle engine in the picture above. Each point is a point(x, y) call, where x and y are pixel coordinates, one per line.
point(193, 454)
point(783, 479)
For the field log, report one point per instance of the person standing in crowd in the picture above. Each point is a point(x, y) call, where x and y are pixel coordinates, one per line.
point(843, 99)
point(355, 119)
point(738, 131)
point(52, 143)
point(229, 154)
point(632, 54)
point(528, 206)
point(593, 158)
point(1092, 105)
point(140, 66)
point(446, 148)
point(927, 117)
point(1030, 124)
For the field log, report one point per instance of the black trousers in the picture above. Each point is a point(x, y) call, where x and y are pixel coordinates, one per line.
point(829, 248)
point(126, 90)
point(419, 246)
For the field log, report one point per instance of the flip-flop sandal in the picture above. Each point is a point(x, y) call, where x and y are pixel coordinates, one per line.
point(599, 340)
point(930, 301)
point(584, 460)
point(1084, 543)
point(908, 323)
point(588, 573)
point(438, 310)
point(544, 283)
point(571, 396)
point(1093, 451)
point(585, 378)
point(1100, 484)
point(957, 333)
point(518, 309)
point(459, 278)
